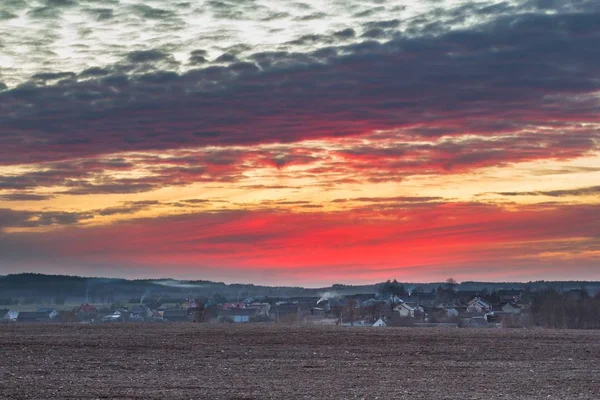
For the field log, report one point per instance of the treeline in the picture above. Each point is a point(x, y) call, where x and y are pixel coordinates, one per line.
point(572, 310)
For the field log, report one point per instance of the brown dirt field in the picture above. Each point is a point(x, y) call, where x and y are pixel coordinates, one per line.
point(190, 361)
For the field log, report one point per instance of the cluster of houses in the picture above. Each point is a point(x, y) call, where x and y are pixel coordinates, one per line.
point(463, 309)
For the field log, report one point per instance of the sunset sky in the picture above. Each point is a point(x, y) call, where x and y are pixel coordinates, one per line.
point(301, 143)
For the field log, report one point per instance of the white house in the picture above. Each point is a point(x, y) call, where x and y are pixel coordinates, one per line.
point(380, 323)
point(478, 305)
point(11, 315)
point(405, 310)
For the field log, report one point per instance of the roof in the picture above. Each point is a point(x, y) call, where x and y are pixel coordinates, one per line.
point(405, 306)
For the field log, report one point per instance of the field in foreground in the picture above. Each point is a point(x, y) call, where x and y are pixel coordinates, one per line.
point(189, 361)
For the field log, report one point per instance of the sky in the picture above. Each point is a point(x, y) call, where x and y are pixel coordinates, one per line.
point(301, 143)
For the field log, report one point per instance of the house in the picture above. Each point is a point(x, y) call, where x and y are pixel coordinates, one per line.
point(52, 313)
point(478, 305)
point(238, 315)
point(32, 316)
point(116, 316)
point(405, 310)
point(176, 315)
point(188, 303)
point(380, 323)
point(140, 312)
point(9, 315)
point(511, 308)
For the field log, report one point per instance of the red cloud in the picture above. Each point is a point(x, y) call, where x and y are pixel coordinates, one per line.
point(420, 243)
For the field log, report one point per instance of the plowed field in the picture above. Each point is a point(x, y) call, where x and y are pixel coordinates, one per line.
point(191, 361)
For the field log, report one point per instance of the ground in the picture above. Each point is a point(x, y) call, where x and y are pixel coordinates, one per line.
point(194, 361)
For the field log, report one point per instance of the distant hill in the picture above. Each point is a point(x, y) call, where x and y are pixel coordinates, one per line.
point(33, 286)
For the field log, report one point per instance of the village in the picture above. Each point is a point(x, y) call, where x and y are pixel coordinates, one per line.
point(391, 307)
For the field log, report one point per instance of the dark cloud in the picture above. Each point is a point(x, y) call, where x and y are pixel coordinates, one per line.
point(393, 23)
point(61, 3)
point(101, 14)
point(584, 191)
point(313, 16)
point(369, 12)
point(345, 33)
point(31, 219)
point(226, 58)
point(148, 12)
point(24, 197)
point(374, 33)
point(42, 13)
point(146, 56)
point(126, 208)
point(398, 199)
point(521, 70)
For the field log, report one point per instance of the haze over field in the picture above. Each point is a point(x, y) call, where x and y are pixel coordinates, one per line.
point(301, 143)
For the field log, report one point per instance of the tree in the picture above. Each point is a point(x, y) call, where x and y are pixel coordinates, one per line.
point(60, 300)
point(350, 310)
point(451, 284)
point(217, 298)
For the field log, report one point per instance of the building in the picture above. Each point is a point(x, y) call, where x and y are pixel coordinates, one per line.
point(140, 312)
point(188, 303)
point(478, 305)
point(238, 315)
point(9, 315)
point(380, 323)
point(405, 310)
point(116, 316)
